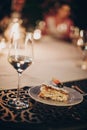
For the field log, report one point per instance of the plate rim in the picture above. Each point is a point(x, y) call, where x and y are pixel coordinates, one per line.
point(45, 101)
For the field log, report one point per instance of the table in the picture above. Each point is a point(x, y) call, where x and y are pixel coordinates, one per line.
point(40, 116)
point(52, 58)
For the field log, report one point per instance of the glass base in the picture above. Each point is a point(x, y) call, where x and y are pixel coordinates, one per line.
point(18, 104)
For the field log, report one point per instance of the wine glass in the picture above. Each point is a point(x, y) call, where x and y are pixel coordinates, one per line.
point(82, 44)
point(20, 57)
point(74, 34)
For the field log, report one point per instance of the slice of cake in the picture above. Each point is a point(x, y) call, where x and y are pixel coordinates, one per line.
point(53, 93)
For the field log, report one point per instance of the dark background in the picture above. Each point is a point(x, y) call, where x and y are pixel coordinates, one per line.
point(34, 10)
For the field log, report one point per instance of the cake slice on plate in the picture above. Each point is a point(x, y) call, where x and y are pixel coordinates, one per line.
point(53, 93)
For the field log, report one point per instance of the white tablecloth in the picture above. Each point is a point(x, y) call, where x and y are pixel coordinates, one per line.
point(52, 58)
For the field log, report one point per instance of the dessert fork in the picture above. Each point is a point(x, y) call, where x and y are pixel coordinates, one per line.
point(79, 90)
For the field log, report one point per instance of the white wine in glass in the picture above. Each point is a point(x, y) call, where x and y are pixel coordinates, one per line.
point(20, 57)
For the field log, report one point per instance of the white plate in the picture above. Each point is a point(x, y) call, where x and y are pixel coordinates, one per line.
point(74, 98)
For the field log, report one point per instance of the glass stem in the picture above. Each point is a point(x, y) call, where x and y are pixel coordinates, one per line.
point(18, 89)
